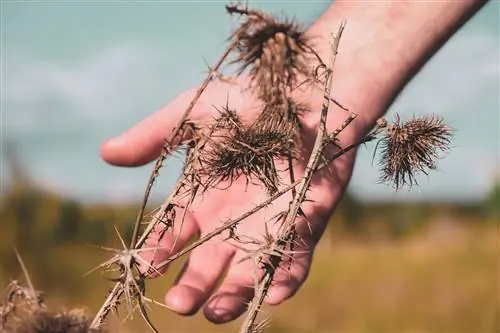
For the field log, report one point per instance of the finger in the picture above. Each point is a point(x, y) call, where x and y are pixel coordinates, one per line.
point(289, 277)
point(162, 243)
point(296, 263)
point(199, 277)
point(237, 290)
point(143, 142)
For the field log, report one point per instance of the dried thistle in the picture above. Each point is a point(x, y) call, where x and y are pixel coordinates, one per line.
point(285, 118)
point(317, 155)
point(261, 326)
point(46, 321)
point(130, 283)
point(137, 239)
point(19, 298)
point(18, 301)
point(24, 311)
point(248, 151)
point(411, 148)
point(277, 52)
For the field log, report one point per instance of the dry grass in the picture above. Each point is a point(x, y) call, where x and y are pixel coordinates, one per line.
point(443, 279)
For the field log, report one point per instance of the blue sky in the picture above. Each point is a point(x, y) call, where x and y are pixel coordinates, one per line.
point(75, 73)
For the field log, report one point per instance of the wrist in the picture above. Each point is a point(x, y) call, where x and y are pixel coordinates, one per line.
point(382, 47)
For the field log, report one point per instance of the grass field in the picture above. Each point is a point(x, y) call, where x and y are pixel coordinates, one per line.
point(417, 268)
point(444, 279)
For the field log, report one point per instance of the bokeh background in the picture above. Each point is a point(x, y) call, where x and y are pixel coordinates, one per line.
point(74, 73)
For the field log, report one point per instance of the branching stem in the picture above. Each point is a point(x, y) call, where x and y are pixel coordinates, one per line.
point(322, 140)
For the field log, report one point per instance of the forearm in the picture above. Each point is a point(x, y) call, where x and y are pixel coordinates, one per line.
point(384, 44)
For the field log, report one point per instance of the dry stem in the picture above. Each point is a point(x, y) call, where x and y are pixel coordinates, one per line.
point(275, 52)
point(114, 296)
point(322, 140)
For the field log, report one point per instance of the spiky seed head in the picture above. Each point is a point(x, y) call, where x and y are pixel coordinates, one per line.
point(248, 153)
point(412, 148)
point(285, 118)
point(277, 52)
point(236, 149)
point(227, 120)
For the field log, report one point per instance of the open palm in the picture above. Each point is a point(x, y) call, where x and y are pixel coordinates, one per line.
point(200, 282)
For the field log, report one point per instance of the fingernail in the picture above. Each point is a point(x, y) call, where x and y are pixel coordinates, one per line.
point(275, 295)
point(219, 315)
point(183, 300)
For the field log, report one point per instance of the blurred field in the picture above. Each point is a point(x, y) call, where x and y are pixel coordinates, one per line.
point(380, 268)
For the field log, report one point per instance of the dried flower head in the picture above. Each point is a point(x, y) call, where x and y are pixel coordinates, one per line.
point(412, 148)
point(277, 52)
point(236, 150)
point(45, 321)
point(284, 118)
point(227, 119)
point(18, 297)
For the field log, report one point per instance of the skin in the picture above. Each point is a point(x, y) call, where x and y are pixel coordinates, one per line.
point(384, 44)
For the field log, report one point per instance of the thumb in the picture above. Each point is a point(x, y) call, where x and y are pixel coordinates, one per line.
point(143, 142)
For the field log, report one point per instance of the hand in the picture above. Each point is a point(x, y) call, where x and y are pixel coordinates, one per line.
point(196, 284)
point(377, 65)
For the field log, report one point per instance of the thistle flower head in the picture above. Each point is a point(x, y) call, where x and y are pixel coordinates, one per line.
point(249, 151)
point(228, 119)
point(412, 148)
point(276, 51)
point(285, 118)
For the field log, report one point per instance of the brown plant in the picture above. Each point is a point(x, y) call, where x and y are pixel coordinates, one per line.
point(24, 311)
point(411, 148)
point(279, 58)
point(46, 321)
point(278, 53)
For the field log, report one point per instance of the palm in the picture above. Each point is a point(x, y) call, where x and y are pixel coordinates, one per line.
point(197, 282)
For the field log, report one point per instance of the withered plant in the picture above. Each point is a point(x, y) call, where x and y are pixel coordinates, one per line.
point(411, 148)
point(23, 310)
point(278, 58)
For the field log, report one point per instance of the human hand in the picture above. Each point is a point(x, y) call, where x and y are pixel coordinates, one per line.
point(196, 284)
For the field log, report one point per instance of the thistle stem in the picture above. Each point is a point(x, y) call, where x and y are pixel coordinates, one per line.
point(322, 140)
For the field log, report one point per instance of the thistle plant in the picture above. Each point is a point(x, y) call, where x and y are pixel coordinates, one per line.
point(411, 148)
point(278, 59)
point(24, 310)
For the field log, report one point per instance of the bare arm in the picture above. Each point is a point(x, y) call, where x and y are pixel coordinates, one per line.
point(385, 43)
